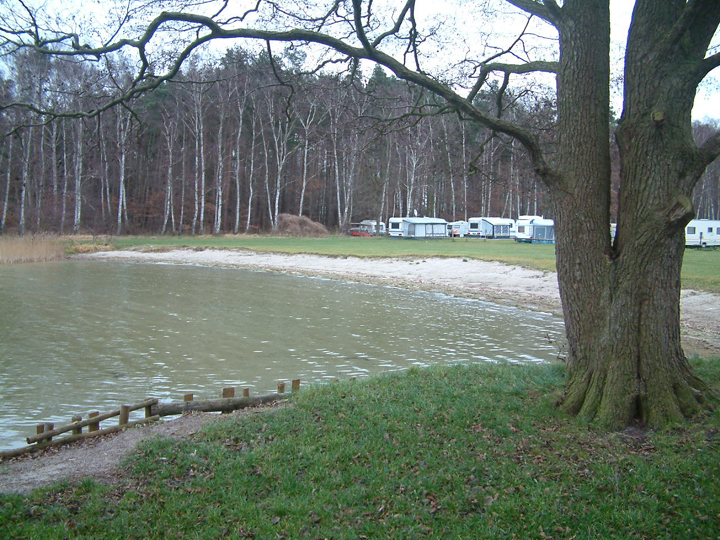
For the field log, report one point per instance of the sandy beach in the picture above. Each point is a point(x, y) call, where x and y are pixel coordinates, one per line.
point(491, 281)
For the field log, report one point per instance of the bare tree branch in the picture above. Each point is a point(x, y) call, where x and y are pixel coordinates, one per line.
point(710, 63)
point(710, 150)
point(548, 10)
point(409, 4)
point(209, 29)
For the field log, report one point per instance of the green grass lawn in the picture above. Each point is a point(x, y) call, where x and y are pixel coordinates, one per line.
point(541, 256)
point(462, 452)
point(701, 267)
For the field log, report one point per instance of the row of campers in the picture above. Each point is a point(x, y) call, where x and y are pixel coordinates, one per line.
point(531, 229)
point(524, 229)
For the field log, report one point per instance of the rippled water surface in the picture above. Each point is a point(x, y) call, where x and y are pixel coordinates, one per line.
point(77, 336)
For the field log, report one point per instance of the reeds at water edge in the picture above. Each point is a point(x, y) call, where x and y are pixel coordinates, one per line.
point(34, 248)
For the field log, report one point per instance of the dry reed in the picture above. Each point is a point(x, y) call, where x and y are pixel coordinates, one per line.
point(22, 249)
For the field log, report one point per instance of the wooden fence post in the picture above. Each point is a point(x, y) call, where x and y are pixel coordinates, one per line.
point(78, 430)
point(281, 387)
point(296, 385)
point(124, 415)
point(95, 426)
point(188, 397)
point(49, 426)
point(228, 392)
point(246, 392)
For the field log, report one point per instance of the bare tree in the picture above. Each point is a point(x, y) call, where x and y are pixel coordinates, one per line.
point(170, 134)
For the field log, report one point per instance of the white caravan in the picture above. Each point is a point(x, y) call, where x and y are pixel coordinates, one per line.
point(417, 227)
point(535, 229)
point(491, 227)
point(458, 229)
point(702, 233)
point(369, 226)
point(395, 226)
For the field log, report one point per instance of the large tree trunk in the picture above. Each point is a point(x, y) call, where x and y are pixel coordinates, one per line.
point(621, 300)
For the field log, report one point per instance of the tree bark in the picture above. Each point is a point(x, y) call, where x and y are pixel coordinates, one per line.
point(621, 300)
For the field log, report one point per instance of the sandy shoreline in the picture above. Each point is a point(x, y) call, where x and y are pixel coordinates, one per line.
point(491, 281)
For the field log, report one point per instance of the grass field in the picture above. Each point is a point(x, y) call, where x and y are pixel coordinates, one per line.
point(541, 256)
point(701, 268)
point(475, 451)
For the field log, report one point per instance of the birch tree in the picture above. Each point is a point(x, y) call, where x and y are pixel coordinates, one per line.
point(8, 177)
point(122, 124)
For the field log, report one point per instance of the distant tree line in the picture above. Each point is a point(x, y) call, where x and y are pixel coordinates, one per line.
point(234, 142)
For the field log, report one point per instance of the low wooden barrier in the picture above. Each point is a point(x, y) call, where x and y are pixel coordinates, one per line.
point(154, 410)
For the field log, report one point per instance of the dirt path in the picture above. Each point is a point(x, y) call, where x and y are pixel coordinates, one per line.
point(101, 457)
point(467, 278)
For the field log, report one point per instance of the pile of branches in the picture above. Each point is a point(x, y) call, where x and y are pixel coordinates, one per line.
point(290, 225)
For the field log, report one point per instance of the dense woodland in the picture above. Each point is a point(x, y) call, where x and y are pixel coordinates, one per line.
point(235, 141)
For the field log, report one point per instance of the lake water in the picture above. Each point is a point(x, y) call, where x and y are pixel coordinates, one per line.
point(78, 336)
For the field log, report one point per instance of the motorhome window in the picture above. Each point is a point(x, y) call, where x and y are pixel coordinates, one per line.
point(521, 229)
point(691, 230)
point(710, 230)
point(394, 225)
point(474, 225)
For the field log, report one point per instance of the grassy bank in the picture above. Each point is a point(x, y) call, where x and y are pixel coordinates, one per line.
point(447, 452)
point(22, 249)
point(700, 266)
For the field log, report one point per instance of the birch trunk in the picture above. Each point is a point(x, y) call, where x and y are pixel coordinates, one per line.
point(24, 175)
point(79, 154)
point(219, 177)
point(8, 177)
point(170, 129)
point(65, 179)
point(123, 129)
point(251, 174)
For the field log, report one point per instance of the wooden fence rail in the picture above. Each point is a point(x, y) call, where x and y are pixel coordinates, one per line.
point(154, 410)
point(213, 405)
point(96, 419)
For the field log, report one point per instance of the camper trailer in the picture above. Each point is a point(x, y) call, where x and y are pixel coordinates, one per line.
point(458, 229)
point(535, 229)
point(491, 227)
point(370, 226)
point(395, 226)
point(418, 227)
point(702, 233)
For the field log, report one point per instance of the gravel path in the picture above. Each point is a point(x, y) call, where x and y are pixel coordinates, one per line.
point(101, 457)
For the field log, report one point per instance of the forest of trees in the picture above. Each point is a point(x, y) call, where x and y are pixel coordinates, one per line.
point(235, 141)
